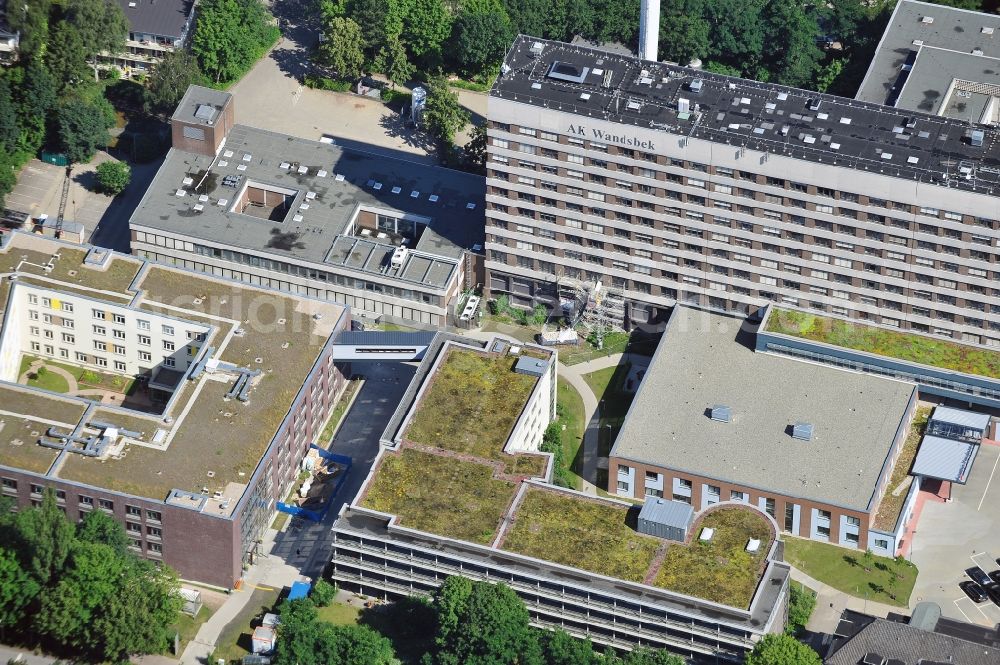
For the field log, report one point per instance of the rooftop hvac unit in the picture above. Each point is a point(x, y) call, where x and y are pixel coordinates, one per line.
point(802, 431)
point(721, 413)
point(976, 138)
point(683, 105)
point(697, 85)
point(399, 256)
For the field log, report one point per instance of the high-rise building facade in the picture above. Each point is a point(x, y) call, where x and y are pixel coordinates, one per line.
point(661, 184)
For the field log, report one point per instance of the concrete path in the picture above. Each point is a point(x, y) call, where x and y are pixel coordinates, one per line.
point(831, 603)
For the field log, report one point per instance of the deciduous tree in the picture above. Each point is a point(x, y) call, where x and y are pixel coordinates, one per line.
point(97, 527)
point(17, 588)
point(493, 629)
point(229, 35)
point(342, 51)
point(83, 129)
point(781, 649)
point(443, 115)
point(480, 36)
point(170, 79)
point(426, 26)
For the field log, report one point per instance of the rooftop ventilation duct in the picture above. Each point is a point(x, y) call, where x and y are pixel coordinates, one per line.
point(721, 413)
point(802, 431)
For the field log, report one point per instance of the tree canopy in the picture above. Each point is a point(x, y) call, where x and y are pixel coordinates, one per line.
point(342, 50)
point(781, 649)
point(230, 35)
point(79, 589)
point(170, 80)
point(304, 640)
point(443, 115)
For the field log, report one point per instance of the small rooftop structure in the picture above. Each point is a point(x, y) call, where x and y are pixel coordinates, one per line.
point(958, 424)
point(945, 459)
point(531, 366)
point(665, 519)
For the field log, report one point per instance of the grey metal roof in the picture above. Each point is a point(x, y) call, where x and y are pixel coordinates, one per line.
point(971, 419)
point(196, 97)
point(704, 359)
point(394, 338)
point(917, 60)
point(165, 18)
point(762, 117)
point(530, 365)
point(317, 227)
point(911, 645)
point(945, 459)
point(667, 512)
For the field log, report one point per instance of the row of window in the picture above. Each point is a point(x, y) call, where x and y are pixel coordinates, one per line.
point(119, 365)
point(525, 218)
point(10, 486)
point(684, 488)
point(530, 215)
point(725, 172)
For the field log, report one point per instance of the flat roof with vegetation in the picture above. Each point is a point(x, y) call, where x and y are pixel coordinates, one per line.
point(910, 347)
point(470, 407)
point(214, 442)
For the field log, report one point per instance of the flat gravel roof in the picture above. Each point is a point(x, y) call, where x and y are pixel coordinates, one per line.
point(705, 359)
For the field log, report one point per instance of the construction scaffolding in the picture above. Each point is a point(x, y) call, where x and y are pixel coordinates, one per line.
point(597, 308)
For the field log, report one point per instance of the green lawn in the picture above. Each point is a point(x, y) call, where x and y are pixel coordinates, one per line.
point(893, 344)
point(86, 378)
point(846, 570)
point(340, 614)
point(589, 534)
point(43, 378)
point(720, 570)
point(234, 641)
point(614, 342)
point(446, 496)
point(471, 406)
point(891, 505)
point(187, 626)
point(571, 415)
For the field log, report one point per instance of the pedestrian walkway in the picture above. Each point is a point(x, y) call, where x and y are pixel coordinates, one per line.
point(831, 603)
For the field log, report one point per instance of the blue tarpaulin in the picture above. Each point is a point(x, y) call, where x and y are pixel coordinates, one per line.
point(299, 590)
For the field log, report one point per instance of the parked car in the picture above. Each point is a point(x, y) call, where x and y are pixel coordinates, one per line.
point(978, 575)
point(974, 591)
point(995, 576)
point(993, 592)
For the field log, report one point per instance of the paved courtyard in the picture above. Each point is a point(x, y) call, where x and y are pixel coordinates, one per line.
point(951, 537)
point(271, 96)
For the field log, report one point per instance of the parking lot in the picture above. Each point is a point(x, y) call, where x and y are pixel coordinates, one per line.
point(271, 96)
point(39, 192)
point(951, 537)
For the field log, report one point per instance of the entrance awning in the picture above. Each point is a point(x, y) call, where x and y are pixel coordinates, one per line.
point(945, 459)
